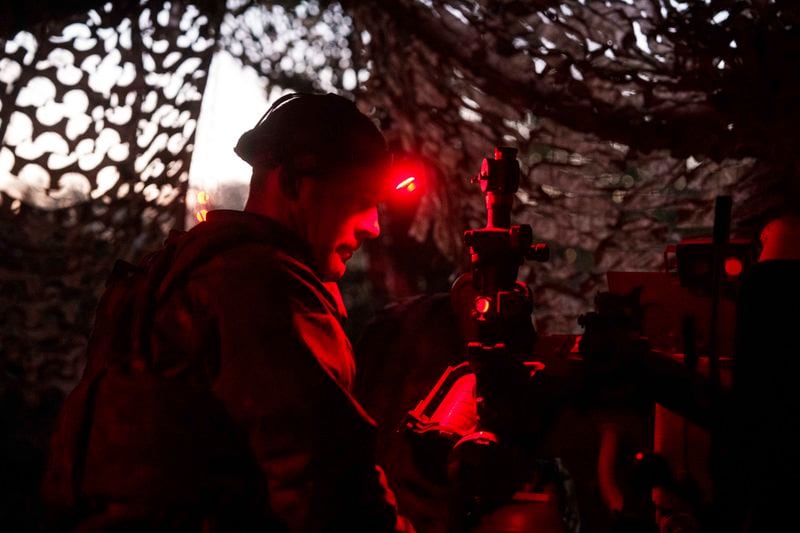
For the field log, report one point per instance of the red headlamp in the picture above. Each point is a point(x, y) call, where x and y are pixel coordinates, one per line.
point(408, 184)
point(407, 178)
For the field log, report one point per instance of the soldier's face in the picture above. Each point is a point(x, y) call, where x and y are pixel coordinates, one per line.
point(339, 215)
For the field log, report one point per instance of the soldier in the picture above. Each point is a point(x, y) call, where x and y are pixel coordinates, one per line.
point(217, 394)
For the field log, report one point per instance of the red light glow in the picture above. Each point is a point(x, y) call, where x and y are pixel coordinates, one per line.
point(407, 181)
point(482, 304)
point(733, 266)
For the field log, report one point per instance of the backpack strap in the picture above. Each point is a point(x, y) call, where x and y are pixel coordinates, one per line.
point(145, 301)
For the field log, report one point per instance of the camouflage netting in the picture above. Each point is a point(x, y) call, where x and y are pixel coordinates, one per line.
point(98, 116)
point(630, 118)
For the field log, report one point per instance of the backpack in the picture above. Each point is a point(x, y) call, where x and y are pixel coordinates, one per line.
point(135, 447)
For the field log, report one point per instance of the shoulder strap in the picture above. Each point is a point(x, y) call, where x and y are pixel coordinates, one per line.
point(153, 279)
